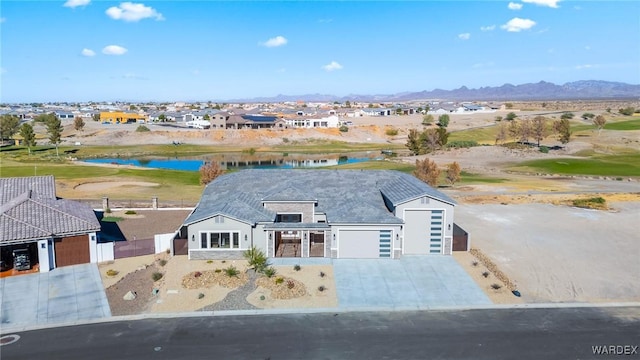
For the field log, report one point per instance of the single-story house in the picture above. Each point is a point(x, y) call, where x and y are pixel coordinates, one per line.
point(319, 213)
point(308, 122)
point(54, 232)
point(120, 117)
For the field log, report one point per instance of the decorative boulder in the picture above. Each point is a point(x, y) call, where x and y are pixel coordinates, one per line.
point(131, 295)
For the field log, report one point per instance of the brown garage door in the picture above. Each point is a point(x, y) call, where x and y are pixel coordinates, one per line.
point(72, 250)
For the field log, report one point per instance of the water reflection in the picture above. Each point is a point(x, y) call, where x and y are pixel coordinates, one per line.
point(238, 161)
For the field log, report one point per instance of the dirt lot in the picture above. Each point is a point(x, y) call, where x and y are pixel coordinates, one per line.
point(559, 253)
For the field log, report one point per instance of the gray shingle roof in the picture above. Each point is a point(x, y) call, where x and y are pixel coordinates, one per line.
point(345, 196)
point(31, 215)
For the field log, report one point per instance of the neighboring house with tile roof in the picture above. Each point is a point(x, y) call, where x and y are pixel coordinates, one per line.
point(319, 213)
point(56, 232)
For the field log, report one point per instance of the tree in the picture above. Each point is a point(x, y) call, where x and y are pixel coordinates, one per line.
point(443, 136)
point(45, 118)
point(95, 117)
point(563, 129)
point(133, 107)
point(508, 105)
point(28, 136)
point(588, 116)
point(413, 142)
point(427, 119)
point(419, 109)
point(498, 118)
point(78, 123)
point(599, 121)
point(568, 115)
point(429, 141)
point(539, 128)
point(54, 128)
point(443, 120)
point(524, 131)
point(453, 173)
point(399, 111)
point(511, 116)
point(427, 171)
point(513, 129)
point(206, 117)
point(627, 111)
point(8, 126)
point(347, 104)
point(162, 117)
point(209, 171)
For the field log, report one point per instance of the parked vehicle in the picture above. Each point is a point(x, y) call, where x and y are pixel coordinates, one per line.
point(21, 260)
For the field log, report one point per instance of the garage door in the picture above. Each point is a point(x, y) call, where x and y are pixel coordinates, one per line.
point(423, 231)
point(72, 250)
point(364, 244)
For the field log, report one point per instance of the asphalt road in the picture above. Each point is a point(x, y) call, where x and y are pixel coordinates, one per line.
point(558, 333)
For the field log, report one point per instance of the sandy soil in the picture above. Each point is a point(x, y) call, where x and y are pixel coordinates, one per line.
point(111, 185)
point(475, 269)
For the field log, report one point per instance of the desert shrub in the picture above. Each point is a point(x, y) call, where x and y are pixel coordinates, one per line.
point(322, 274)
point(162, 262)
point(217, 271)
point(297, 267)
point(485, 274)
point(391, 132)
point(249, 151)
point(285, 140)
point(209, 171)
point(262, 297)
point(156, 276)
point(231, 271)
point(107, 211)
point(209, 261)
point(496, 286)
point(459, 144)
point(200, 296)
point(130, 212)
point(290, 284)
point(223, 261)
point(269, 272)
point(343, 128)
point(142, 128)
point(321, 288)
point(256, 259)
point(590, 203)
point(112, 272)
point(474, 263)
point(544, 149)
point(279, 280)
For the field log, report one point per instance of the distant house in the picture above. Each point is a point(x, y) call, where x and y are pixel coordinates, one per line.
point(319, 213)
point(378, 111)
point(119, 117)
point(254, 122)
point(331, 121)
point(54, 232)
point(64, 115)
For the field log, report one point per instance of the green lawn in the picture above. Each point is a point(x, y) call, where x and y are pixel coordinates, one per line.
point(624, 125)
point(485, 135)
point(601, 165)
point(376, 165)
point(470, 178)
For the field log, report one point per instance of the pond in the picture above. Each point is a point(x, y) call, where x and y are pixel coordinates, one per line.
point(239, 161)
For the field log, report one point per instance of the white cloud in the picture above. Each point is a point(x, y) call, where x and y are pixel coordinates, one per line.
point(488, 28)
point(332, 66)
point(514, 6)
point(464, 36)
point(549, 3)
point(88, 52)
point(517, 25)
point(75, 3)
point(131, 12)
point(114, 50)
point(275, 42)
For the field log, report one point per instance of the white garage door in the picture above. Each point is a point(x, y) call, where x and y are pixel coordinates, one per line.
point(364, 244)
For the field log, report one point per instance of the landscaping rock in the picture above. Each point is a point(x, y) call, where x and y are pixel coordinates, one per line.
point(130, 295)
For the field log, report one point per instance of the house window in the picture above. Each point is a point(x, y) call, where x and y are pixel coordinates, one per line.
point(220, 240)
point(289, 218)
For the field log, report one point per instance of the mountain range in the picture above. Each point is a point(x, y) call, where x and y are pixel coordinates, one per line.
point(577, 90)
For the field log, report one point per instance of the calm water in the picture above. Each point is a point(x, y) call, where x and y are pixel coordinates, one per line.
point(244, 161)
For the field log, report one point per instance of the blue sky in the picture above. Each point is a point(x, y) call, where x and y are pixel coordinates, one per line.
point(94, 50)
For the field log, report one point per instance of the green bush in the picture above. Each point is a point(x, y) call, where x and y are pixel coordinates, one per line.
point(256, 259)
point(130, 212)
point(343, 128)
point(297, 267)
point(269, 272)
point(590, 203)
point(112, 272)
point(391, 132)
point(162, 262)
point(279, 280)
point(142, 128)
point(544, 149)
point(458, 144)
point(200, 296)
point(231, 271)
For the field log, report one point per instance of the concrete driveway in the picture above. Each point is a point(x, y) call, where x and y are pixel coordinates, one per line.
point(411, 281)
point(63, 295)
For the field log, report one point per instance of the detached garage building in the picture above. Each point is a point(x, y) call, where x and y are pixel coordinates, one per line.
point(319, 213)
point(55, 232)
